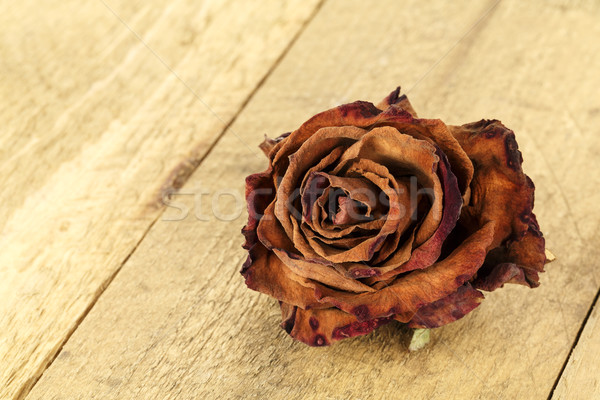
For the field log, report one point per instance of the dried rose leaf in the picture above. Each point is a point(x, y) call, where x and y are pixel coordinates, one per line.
point(420, 338)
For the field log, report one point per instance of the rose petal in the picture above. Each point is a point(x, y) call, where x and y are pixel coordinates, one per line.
point(268, 144)
point(315, 148)
point(308, 154)
point(517, 261)
point(391, 254)
point(504, 194)
point(462, 167)
point(322, 273)
point(448, 309)
point(427, 253)
point(402, 155)
point(363, 251)
point(315, 186)
point(499, 275)
point(309, 198)
point(326, 230)
point(382, 180)
point(396, 220)
point(405, 229)
point(440, 134)
point(260, 192)
point(358, 114)
point(345, 243)
point(265, 273)
point(348, 212)
point(271, 235)
point(398, 100)
point(379, 175)
point(529, 251)
point(501, 192)
point(410, 292)
point(325, 326)
point(358, 189)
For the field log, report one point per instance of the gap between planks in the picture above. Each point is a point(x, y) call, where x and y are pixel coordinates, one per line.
point(574, 345)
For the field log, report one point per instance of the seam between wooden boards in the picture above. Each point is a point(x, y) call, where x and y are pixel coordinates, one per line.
point(574, 345)
point(172, 185)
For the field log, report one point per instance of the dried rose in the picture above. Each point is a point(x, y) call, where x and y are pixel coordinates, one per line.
point(368, 214)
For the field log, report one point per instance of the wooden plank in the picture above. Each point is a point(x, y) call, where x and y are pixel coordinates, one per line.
point(580, 379)
point(178, 322)
point(93, 125)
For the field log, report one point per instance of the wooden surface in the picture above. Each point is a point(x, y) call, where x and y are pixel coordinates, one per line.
point(150, 305)
point(93, 127)
point(581, 379)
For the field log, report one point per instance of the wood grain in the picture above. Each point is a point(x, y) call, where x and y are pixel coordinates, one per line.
point(581, 377)
point(95, 121)
point(178, 322)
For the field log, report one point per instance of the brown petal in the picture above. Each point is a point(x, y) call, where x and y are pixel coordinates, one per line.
point(343, 243)
point(380, 180)
point(410, 292)
point(357, 188)
point(429, 251)
point(271, 235)
point(364, 251)
point(392, 253)
point(409, 156)
point(500, 190)
point(313, 191)
point(316, 186)
point(440, 134)
point(462, 167)
point(448, 309)
point(402, 155)
point(326, 230)
point(321, 273)
point(517, 261)
point(348, 210)
point(265, 273)
point(268, 144)
point(529, 251)
point(398, 100)
point(405, 229)
point(314, 150)
point(398, 152)
point(501, 274)
point(381, 176)
point(325, 326)
point(260, 192)
point(358, 114)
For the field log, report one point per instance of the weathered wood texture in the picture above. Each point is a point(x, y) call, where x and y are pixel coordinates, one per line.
point(178, 322)
point(581, 378)
point(93, 126)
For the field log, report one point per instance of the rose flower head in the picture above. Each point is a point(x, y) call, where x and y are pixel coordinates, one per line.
point(368, 214)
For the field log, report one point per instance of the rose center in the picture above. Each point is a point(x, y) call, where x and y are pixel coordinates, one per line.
point(349, 211)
